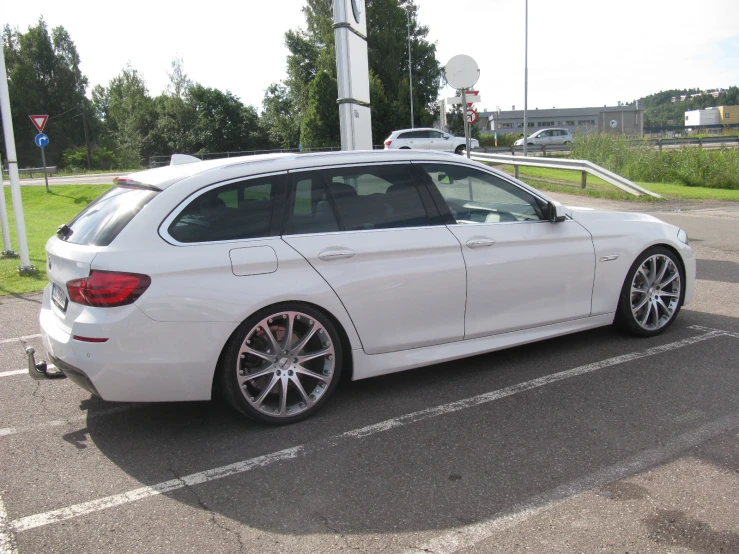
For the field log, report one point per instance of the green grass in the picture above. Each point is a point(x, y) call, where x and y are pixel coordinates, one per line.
point(43, 213)
point(559, 180)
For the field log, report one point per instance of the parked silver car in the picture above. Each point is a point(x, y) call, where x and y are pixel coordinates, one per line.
point(547, 137)
point(427, 139)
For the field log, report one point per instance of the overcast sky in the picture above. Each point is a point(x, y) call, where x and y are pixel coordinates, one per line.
point(581, 52)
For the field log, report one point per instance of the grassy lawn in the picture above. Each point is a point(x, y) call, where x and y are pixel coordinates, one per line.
point(558, 180)
point(43, 213)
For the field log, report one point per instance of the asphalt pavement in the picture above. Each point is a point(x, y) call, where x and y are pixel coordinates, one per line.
point(594, 442)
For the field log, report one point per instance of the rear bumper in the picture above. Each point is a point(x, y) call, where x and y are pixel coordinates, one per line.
point(142, 360)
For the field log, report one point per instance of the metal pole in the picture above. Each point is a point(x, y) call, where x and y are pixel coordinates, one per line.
point(526, 83)
point(43, 161)
point(464, 122)
point(15, 182)
point(410, 74)
point(7, 249)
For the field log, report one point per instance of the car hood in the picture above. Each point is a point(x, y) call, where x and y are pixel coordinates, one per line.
point(592, 219)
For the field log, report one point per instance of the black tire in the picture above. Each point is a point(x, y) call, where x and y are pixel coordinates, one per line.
point(655, 316)
point(459, 150)
point(404, 148)
point(281, 372)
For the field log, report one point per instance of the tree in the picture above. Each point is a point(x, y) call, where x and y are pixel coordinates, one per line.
point(129, 115)
point(320, 126)
point(44, 78)
point(278, 120)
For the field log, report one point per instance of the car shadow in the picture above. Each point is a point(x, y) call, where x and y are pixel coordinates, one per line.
point(464, 467)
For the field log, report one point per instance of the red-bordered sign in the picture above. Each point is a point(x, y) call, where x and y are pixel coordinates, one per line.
point(472, 116)
point(39, 121)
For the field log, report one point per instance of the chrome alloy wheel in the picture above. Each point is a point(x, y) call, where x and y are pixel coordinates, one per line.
point(655, 292)
point(285, 364)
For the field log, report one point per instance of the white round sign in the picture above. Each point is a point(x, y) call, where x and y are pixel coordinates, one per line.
point(613, 123)
point(462, 72)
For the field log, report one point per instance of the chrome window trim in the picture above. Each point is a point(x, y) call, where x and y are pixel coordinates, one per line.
point(163, 228)
point(391, 229)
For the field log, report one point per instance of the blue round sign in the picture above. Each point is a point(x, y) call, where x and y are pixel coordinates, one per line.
point(41, 140)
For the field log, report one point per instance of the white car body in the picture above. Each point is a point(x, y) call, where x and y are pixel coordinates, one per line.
point(403, 298)
point(427, 139)
point(547, 137)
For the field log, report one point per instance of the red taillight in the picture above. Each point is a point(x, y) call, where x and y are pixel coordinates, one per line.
point(106, 289)
point(388, 142)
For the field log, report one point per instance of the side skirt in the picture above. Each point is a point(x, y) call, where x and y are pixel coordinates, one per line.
point(366, 365)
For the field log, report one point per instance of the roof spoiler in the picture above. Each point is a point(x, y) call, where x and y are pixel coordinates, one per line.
point(181, 159)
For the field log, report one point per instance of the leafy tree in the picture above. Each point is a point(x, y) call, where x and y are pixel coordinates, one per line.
point(44, 78)
point(320, 126)
point(278, 120)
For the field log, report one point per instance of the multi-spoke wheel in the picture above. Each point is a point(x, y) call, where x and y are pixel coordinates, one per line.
point(282, 364)
point(652, 293)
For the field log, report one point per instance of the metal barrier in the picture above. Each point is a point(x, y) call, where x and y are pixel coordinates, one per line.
point(583, 166)
point(50, 170)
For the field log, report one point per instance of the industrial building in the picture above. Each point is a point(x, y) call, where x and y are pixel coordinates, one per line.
point(622, 119)
point(720, 115)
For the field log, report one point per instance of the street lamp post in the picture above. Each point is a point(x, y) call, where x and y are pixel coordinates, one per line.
point(526, 83)
point(410, 73)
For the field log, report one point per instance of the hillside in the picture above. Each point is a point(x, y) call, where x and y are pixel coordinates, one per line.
point(660, 110)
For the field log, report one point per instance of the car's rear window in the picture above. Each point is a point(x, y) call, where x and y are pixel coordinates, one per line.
point(100, 222)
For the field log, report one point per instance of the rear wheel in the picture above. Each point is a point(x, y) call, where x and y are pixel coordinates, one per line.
point(652, 293)
point(282, 364)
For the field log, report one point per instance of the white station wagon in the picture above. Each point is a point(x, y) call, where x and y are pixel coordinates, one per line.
point(268, 277)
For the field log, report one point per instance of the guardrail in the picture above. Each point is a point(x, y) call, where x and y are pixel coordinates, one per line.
point(50, 170)
point(584, 166)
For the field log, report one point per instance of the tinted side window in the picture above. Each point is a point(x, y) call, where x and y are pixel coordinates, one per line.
point(375, 197)
point(311, 211)
point(236, 211)
point(405, 135)
point(474, 196)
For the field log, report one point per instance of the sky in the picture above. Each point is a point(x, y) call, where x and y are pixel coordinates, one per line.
point(581, 53)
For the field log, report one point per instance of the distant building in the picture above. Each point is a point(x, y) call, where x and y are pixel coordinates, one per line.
point(622, 119)
point(728, 115)
point(721, 115)
point(699, 118)
point(713, 92)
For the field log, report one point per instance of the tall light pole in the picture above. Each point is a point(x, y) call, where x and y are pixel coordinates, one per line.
point(526, 83)
point(410, 73)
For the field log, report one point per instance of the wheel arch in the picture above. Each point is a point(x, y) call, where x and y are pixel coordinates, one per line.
point(348, 360)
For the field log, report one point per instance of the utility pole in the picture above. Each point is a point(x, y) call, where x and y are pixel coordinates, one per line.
point(15, 182)
point(7, 249)
point(410, 74)
point(526, 83)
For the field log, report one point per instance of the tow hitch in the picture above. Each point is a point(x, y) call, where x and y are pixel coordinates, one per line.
point(40, 370)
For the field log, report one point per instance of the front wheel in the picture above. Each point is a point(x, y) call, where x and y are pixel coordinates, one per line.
point(652, 293)
point(459, 150)
point(282, 363)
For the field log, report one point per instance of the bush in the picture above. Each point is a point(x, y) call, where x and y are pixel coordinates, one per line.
point(100, 158)
point(690, 165)
point(507, 139)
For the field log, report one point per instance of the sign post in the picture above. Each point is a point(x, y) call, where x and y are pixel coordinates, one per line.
point(41, 140)
point(15, 185)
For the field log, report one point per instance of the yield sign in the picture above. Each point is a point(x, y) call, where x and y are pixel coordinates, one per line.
point(39, 121)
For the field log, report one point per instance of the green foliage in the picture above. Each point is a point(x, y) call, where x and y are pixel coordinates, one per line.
point(320, 126)
point(660, 110)
point(691, 166)
point(100, 158)
point(44, 78)
point(505, 139)
point(281, 126)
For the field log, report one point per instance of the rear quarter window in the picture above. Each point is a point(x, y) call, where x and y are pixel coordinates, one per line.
point(106, 216)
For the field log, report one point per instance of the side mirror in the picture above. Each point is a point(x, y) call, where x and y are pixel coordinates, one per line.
point(446, 137)
point(556, 212)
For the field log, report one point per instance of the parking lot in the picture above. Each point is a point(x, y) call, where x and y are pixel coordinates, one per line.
point(593, 442)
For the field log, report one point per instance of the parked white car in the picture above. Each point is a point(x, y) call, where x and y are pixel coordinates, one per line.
point(268, 277)
point(427, 139)
point(547, 137)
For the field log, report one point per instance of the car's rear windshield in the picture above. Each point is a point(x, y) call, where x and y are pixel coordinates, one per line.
point(100, 222)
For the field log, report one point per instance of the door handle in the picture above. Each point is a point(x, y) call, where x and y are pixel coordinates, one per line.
point(479, 243)
point(328, 255)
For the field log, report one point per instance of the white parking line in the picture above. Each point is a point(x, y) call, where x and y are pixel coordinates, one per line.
point(470, 535)
point(19, 339)
point(7, 542)
point(727, 333)
point(62, 514)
